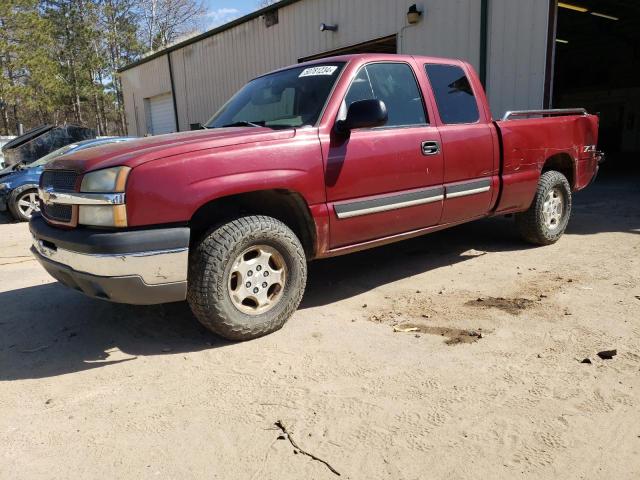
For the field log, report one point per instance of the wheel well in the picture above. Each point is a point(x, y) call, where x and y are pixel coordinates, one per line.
point(284, 205)
point(562, 163)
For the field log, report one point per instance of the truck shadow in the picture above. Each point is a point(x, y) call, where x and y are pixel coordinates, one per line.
point(49, 330)
point(611, 204)
point(338, 278)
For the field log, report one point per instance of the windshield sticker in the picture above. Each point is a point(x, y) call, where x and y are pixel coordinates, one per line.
point(314, 71)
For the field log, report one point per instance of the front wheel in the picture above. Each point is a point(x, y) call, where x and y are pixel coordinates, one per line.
point(23, 203)
point(246, 277)
point(548, 216)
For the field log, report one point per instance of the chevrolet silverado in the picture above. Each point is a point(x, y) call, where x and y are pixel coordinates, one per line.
point(314, 160)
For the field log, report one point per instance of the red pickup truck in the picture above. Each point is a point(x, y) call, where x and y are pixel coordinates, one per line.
point(310, 161)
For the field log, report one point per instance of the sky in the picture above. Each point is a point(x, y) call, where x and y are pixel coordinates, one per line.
point(223, 11)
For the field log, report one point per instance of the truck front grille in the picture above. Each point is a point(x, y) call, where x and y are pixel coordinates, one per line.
point(60, 180)
point(58, 213)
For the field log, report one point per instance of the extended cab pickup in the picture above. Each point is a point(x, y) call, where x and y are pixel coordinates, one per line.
point(314, 160)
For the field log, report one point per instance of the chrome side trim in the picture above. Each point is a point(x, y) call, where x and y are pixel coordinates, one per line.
point(154, 267)
point(551, 111)
point(385, 208)
point(393, 202)
point(50, 196)
point(463, 193)
point(468, 188)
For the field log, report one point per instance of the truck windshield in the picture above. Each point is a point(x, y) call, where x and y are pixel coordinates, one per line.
point(285, 99)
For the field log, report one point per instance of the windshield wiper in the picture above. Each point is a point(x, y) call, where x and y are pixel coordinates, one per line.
point(243, 123)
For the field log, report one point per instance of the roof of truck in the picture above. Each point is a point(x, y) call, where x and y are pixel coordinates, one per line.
point(368, 57)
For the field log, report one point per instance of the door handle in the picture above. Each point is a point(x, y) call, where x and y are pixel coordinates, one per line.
point(430, 148)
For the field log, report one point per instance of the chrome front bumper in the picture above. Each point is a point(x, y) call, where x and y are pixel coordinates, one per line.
point(140, 267)
point(154, 268)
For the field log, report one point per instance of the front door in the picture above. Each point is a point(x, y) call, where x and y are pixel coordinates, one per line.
point(387, 180)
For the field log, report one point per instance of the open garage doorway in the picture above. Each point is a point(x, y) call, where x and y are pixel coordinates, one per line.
point(380, 45)
point(597, 66)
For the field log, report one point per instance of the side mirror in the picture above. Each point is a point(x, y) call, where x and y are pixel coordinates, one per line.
point(363, 114)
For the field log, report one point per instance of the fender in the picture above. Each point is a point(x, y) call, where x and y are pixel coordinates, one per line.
point(180, 199)
point(205, 191)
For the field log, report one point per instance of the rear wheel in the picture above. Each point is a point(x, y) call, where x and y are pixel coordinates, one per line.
point(548, 216)
point(246, 277)
point(23, 203)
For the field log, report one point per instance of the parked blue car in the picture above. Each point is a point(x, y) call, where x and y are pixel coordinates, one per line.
point(19, 187)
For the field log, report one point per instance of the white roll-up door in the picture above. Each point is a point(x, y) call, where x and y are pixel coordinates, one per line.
point(160, 115)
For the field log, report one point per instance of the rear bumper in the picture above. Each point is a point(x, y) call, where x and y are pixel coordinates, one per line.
point(141, 267)
point(600, 158)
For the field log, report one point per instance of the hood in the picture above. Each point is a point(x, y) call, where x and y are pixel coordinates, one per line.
point(136, 152)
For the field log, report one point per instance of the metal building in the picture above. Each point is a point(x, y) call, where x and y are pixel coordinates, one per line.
point(515, 45)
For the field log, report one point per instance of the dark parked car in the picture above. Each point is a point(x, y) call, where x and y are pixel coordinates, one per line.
point(42, 140)
point(19, 187)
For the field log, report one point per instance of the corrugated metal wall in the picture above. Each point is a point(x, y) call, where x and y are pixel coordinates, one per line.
point(517, 52)
point(144, 81)
point(208, 72)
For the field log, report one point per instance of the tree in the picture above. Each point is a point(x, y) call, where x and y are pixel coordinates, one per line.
point(164, 21)
point(59, 59)
point(24, 48)
point(118, 22)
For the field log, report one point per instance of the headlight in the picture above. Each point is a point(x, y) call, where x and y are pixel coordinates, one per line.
point(109, 180)
point(102, 215)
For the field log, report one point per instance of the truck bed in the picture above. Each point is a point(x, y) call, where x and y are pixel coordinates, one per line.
point(526, 144)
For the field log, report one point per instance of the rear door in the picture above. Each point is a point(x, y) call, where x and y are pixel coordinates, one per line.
point(469, 143)
point(379, 181)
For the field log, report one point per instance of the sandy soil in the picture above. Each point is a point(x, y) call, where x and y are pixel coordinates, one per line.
point(480, 378)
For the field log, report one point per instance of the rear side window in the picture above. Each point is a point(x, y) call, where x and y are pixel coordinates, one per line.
point(454, 96)
point(395, 85)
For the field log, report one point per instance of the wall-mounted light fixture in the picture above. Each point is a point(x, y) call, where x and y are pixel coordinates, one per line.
point(413, 15)
point(328, 28)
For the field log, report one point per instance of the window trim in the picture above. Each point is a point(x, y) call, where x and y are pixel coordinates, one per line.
point(435, 97)
point(389, 127)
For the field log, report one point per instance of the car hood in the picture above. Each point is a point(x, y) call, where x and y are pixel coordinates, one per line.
point(136, 152)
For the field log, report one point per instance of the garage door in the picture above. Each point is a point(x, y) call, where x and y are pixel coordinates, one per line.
point(160, 115)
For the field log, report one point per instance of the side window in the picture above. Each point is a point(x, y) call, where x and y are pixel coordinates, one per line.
point(453, 93)
point(395, 85)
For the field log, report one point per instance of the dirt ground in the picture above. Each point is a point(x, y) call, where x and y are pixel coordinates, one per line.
point(455, 355)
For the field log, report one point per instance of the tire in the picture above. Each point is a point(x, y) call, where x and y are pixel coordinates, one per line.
point(537, 225)
point(19, 199)
point(219, 271)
